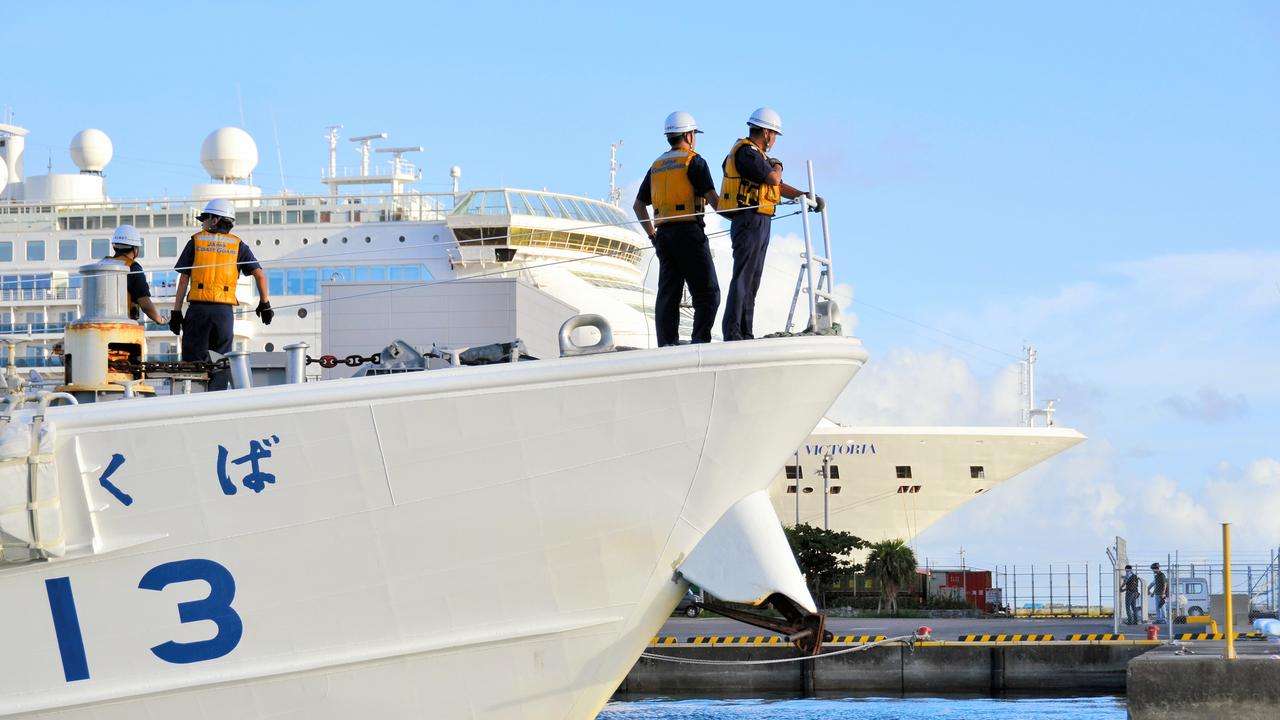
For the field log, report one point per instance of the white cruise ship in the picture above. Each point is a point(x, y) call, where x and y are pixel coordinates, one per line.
point(884, 483)
point(370, 226)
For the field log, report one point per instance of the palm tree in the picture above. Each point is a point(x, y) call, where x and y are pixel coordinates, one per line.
point(892, 564)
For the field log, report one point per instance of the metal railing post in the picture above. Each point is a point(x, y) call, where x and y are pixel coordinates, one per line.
point(808, 254)
point(1033, 590)
point(1014, 605)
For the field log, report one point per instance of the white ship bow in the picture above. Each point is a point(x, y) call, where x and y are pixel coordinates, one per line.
point(493, 542)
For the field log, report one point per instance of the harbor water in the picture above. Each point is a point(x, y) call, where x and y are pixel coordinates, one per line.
point(1068, 708)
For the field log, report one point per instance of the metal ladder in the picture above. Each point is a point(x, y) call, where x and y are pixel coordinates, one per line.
point(805, 281)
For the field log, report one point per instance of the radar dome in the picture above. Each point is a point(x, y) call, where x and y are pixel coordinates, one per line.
point(4, 176)
point(229, 153)
point(91, 150)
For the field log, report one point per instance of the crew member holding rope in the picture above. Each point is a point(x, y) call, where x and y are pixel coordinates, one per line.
point(679, 186)
point(210, 264)
point(751, 189)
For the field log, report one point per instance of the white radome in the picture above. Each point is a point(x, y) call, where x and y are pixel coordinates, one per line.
point(91, 150)
point(229, 153)
point(4, 176)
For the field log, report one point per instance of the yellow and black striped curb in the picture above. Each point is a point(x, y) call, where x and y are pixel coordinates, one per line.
point(778, 640)
point(763, 640)
point(1219, 636)
point(737, 640)
point(856, 639)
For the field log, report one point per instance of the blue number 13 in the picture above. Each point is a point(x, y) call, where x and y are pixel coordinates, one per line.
point(215, 608)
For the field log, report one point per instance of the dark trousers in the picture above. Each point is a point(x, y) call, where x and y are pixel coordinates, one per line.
point(749, 233)
point(205, 327)
point(684, 258)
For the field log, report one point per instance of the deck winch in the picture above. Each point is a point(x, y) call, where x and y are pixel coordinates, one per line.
point(104, 336)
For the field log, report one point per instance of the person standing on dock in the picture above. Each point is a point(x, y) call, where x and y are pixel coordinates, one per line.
point(751, 189)
point(1131, 590)
point(210, 264)
point(1160, 591)
point(679, 186)
point(126, 243)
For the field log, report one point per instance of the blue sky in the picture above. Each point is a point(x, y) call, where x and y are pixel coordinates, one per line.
point(1100, 179)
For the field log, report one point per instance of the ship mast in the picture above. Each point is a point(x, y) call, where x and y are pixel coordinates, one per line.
point(615, 192)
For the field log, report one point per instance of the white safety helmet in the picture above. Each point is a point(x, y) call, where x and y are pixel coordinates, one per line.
point(766, 118)
point(126, 236)
point(680, 122)
point(221, 208)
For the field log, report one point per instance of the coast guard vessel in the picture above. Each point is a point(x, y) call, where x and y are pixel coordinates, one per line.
point(330, 549)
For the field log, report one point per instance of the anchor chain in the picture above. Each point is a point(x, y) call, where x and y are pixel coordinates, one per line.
point(332, 361)
point(173, 366)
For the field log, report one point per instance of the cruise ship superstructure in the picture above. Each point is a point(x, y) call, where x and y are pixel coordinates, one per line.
point(370, 226)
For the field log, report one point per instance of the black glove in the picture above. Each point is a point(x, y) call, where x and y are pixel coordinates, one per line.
point(265, 312)
point(775, 162)
point(819, 203)
point(175, 322)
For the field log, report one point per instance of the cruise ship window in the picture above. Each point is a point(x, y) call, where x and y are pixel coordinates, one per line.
point(168, 247)
point(904, 472)
point(6, 251)
point(976, 472)
point(35, 250)
point(310, 281)
point(100, 247)
point(835, 472)
point(67, 249)
point(275, 282)
point(835, 490)
point(294, 282)
point(794, 472)
point(791, 489)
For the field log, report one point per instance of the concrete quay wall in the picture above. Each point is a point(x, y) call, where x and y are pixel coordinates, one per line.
point(1185, 687)
point(941, 668)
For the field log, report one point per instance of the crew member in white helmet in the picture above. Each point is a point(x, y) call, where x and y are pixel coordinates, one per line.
point(126, 243)
point(752, 187)
point(679, 186)
point(210, 265)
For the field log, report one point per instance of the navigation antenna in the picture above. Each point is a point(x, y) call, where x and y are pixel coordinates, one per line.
point(615, 192)
point(333, 153)
point(1029, 410)
point(364, 141)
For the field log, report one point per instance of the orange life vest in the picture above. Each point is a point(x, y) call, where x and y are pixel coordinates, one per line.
point(738, 192)
point(670, 190)
point(214, 271)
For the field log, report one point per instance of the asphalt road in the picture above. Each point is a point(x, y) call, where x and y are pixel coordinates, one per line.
point(943, 628)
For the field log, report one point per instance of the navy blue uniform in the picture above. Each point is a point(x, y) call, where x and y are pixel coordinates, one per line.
point(684, 258)
point(209, 326)
point(749, 233)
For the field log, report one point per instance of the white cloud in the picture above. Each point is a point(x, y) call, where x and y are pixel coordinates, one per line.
point(1207, 405)
point(907, 387)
